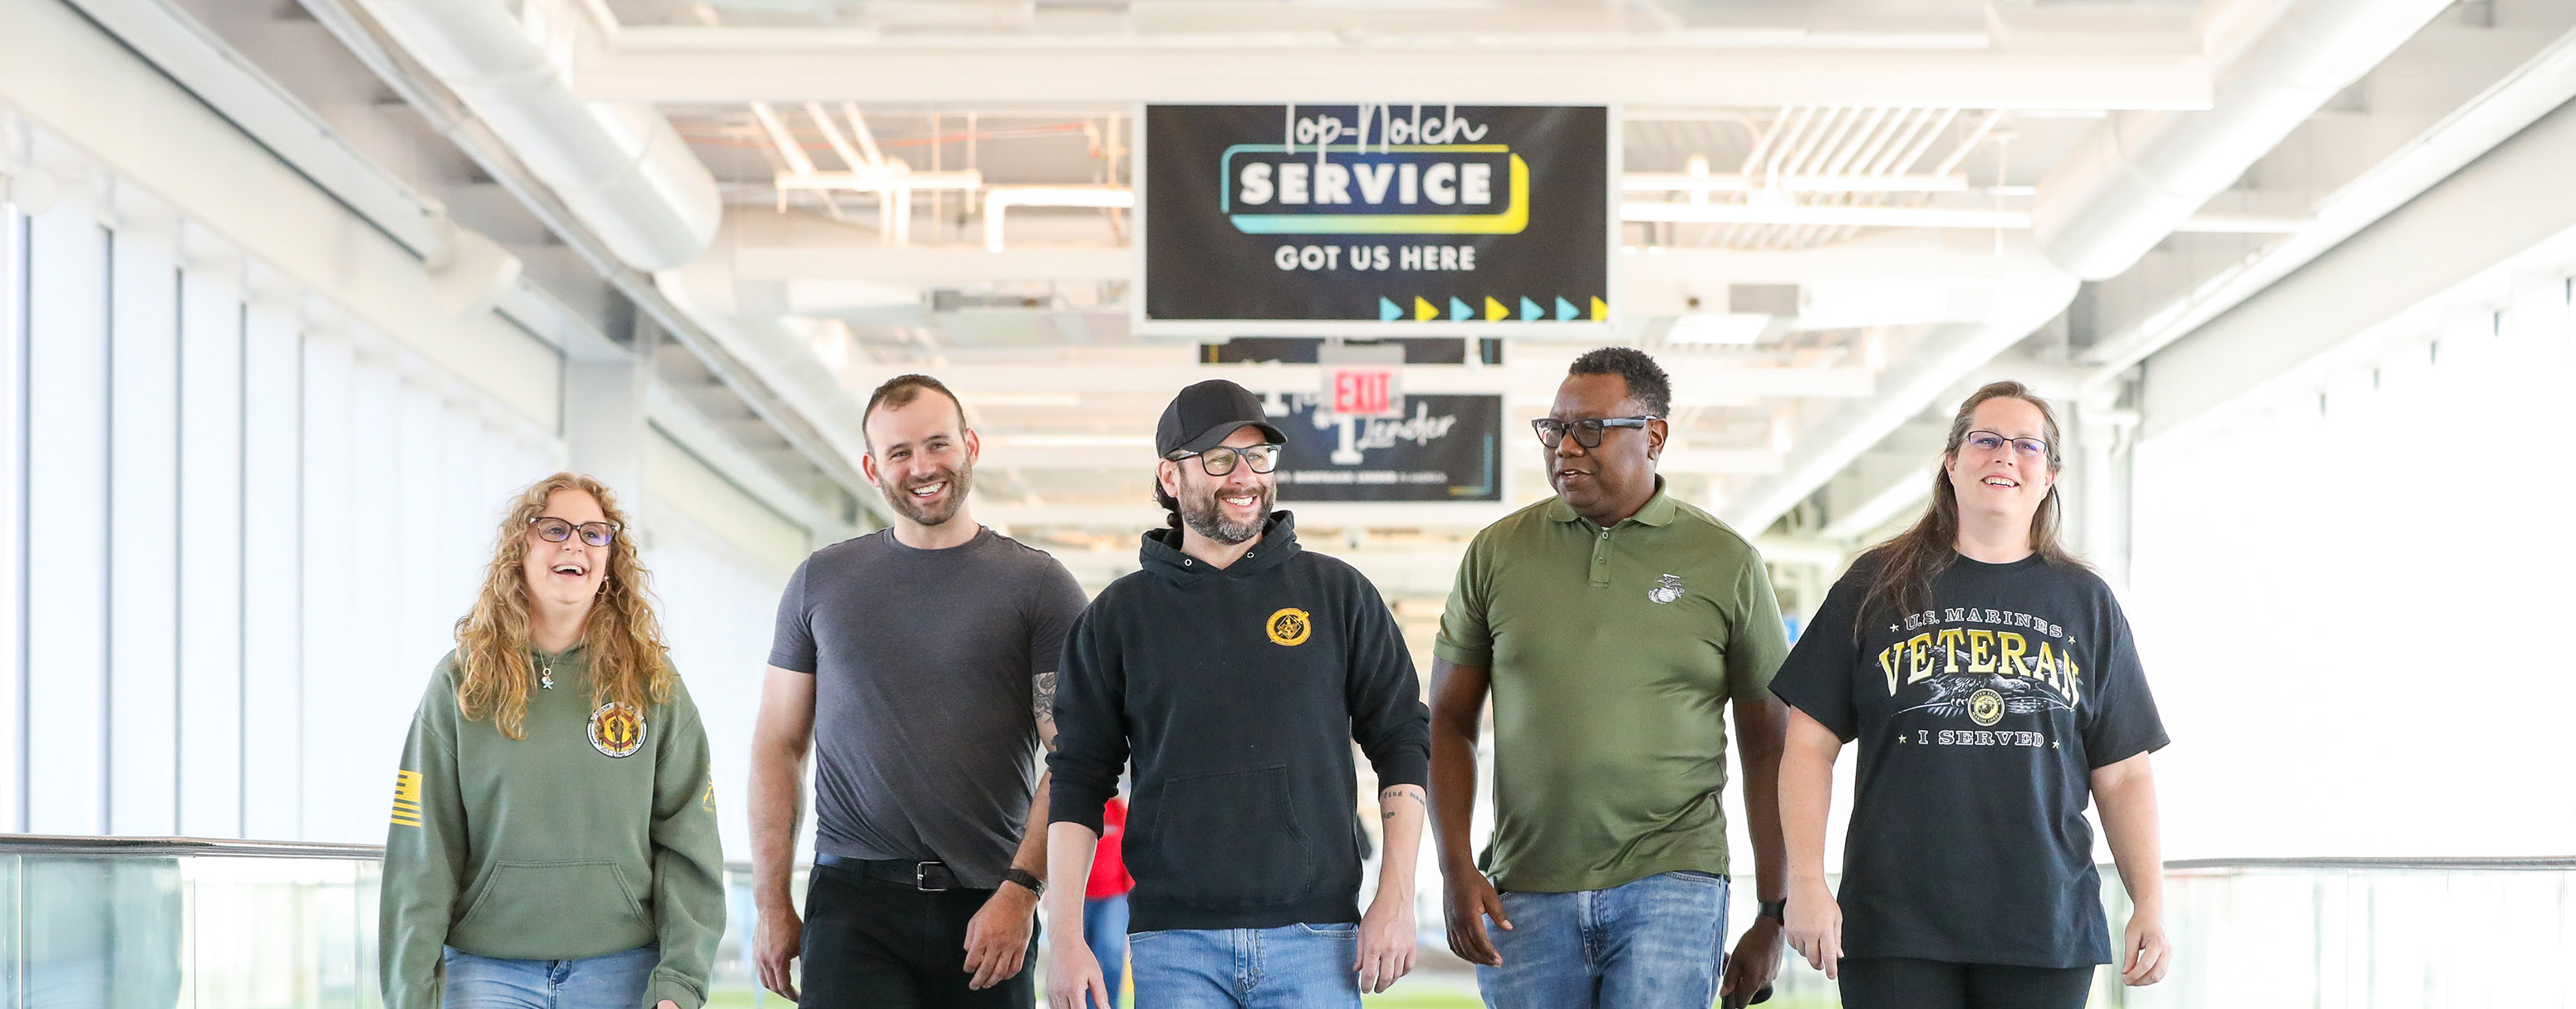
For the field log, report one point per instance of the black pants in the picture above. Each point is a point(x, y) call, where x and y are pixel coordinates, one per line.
point(1895, 983)
point(873, 943)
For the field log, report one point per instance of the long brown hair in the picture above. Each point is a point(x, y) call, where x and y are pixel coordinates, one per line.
point(1910, 561)
point(627, 661)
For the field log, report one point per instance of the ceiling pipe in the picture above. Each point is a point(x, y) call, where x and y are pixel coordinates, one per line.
point(620, 168)
point(2140, 174)
point(2028, 291)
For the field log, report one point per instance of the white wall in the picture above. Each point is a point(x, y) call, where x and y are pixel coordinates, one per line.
point(717, 602)
point(2350, 592)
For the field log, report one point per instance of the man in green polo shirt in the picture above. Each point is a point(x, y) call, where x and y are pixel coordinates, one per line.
point(1611, 624)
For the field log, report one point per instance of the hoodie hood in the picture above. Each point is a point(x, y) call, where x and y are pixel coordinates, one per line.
point(1161, 554)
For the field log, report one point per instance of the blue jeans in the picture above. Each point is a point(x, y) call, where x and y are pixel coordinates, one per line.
point(1652, 943)
point(1104, 927)
point(615, 981)
point(1295, 967)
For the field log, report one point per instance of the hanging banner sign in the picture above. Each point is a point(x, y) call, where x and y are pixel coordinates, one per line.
point(1385, 217)
point(1442, 448)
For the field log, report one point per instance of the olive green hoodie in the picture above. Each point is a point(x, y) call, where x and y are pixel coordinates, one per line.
point(595, 834)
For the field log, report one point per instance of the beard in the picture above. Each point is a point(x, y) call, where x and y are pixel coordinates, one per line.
point(1199, 509)
point(959, 481)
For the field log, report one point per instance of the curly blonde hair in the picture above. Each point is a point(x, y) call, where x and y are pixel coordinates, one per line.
point(628, 664)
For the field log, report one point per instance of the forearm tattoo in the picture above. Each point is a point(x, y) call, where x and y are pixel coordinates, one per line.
point(1401, 792)
point(1042, 705)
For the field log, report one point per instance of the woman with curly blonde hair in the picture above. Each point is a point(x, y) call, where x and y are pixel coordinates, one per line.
point(553, 838)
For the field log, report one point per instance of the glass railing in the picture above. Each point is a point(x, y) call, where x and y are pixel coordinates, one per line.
point(154, 923)
point(147, 923)
point(2337, 933)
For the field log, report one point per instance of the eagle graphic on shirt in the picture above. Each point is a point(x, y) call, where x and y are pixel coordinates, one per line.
point(1956, 695)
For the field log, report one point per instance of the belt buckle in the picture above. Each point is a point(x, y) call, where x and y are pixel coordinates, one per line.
point(921, 877)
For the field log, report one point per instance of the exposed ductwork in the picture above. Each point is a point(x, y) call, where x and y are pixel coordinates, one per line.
point(2143, 173)
point(2027, 292)
point(620, 168)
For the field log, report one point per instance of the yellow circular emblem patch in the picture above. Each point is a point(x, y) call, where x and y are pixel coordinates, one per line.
point(1985, 707)
point(1289, 627)
point(617, 730)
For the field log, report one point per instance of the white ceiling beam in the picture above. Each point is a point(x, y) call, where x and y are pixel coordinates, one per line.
point(1006, 452)
point(1976, 218)
point(1695, 381)
point(936, 264)
point(1906, 491)
point(690, 64)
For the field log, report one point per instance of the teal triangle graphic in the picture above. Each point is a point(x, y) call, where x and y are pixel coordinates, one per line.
point(1388, 311)
point(1459, 312)
point(1530, 312)
point(1565, 311)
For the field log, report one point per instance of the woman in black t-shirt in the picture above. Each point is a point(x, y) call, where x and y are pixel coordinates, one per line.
point(1991, 682)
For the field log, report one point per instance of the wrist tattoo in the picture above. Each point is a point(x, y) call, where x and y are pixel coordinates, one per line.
point(1402, 792)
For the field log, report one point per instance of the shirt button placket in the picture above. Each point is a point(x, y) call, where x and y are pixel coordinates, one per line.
point(1601, 560)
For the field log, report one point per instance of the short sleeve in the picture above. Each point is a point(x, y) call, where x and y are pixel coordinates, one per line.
point(1055, 599)
point(791, 647)
point(1466, 639)
point(1757, 640)
point(1816, 678)
point(2119, 718)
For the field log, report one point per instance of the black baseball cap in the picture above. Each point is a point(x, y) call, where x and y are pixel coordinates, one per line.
point(1206, 414)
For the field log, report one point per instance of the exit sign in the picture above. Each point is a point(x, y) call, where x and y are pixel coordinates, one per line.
point(1363, 391)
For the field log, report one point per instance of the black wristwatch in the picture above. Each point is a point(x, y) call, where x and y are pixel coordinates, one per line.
point(1026, 879)
point(1776, 910)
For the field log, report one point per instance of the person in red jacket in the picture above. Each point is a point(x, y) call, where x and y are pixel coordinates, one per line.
point(1104, 899)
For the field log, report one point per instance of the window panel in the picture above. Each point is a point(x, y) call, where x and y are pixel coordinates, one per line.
point(330, 577)
point(364, 738)
point(13, 388)
point(67, 519)
point(144, 537)
point(2421, 491)
point(210, 553)
point(272, 573)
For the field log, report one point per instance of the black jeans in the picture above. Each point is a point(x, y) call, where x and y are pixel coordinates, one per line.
point(1894, 983)
point(876, 943)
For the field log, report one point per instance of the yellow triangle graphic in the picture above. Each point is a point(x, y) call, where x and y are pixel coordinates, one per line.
point(1495, 312)
point(1424, 311)
point(1600, 310)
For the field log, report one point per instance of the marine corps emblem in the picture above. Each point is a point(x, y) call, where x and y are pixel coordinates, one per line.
point(1985, 707)
point(616, 730)
point(1289, 627)
point(1667, 589)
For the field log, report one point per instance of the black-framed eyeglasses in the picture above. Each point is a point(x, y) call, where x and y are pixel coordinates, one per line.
point(555, 530)
point(1587, 432)
point(1991, 441)
point(1221, 461)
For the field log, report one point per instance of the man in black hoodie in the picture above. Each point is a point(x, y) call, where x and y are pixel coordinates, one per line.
point(1235, 670)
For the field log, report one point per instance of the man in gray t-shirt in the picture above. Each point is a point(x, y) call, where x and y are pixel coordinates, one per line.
point(920, 662)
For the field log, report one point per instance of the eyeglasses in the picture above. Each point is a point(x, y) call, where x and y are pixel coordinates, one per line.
point(555, 530)
point(1989, 441)
point(1587, 432)
point(1221, 461)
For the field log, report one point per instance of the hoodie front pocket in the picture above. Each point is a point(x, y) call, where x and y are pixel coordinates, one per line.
point(1231, 839)
point(566, 895)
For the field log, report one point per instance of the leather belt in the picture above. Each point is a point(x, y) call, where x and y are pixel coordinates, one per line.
point(925, 876)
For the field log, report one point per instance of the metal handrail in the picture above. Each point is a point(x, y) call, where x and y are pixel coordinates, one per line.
point(162, 847)
point(2525, 863)
point(166, 847)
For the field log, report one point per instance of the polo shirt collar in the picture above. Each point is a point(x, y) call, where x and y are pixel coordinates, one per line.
point(1658, 510)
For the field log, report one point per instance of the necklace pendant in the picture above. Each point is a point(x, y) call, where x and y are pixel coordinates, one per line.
point(546, 681)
